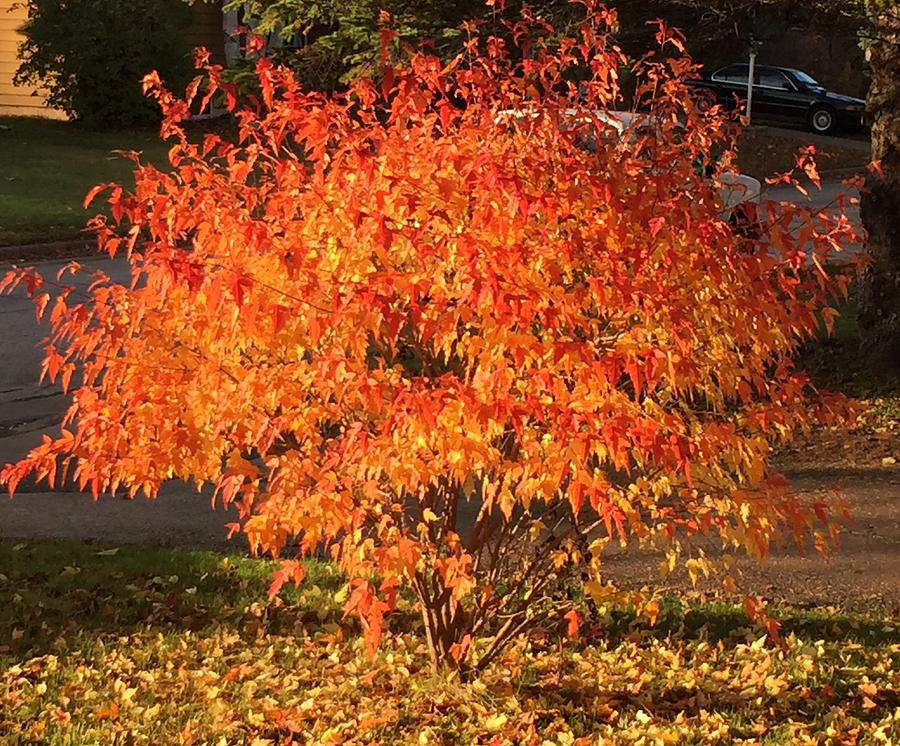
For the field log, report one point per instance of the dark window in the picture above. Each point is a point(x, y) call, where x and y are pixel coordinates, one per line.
point(773, 79)
point(733, 74)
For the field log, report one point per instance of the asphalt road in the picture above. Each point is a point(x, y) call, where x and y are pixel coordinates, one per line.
point(180, 517)
point(826, 197)
point(819, 199)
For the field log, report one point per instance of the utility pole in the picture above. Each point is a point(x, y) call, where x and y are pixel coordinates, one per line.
point(754, 49)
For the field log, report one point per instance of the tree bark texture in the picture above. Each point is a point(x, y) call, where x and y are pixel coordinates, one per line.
point(879, 313)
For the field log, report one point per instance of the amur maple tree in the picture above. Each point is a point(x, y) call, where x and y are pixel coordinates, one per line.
point(454, 328)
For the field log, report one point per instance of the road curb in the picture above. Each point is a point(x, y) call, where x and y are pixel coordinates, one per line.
point(35, 252)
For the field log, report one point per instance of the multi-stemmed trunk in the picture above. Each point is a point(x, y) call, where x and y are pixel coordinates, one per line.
point(880, 298)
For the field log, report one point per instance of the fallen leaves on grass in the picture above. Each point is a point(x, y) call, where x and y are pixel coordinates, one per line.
point(147, 656)
point(319, 687)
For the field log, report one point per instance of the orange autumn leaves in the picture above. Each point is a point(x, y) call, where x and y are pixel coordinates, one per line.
point(393, 321)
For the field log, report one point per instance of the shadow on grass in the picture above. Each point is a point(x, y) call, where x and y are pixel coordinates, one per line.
point(59, 590)
point(748, 680)
point(728, 623)
point(49, 590)
point(53, 590)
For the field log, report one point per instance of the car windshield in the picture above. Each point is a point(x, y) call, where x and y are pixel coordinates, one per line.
point(806, 79)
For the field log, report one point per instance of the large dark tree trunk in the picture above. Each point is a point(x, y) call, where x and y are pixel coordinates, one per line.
point(879, 315)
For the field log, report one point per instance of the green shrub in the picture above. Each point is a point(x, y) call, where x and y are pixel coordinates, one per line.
point(90, 55)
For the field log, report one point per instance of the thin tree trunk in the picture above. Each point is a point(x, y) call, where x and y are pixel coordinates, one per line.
point(879, 314)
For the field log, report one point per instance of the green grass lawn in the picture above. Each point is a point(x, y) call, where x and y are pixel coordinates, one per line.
point(834, 363)
point(152, 646)
point(47, 168)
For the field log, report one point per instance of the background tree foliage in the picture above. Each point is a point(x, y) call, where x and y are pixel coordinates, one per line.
point(91, 55)
point(329, 42)
point(430, 327)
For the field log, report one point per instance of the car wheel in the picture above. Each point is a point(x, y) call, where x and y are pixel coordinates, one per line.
point(822, 120)
point(704, 100)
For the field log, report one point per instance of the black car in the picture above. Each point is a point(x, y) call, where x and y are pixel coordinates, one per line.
point(785, 95)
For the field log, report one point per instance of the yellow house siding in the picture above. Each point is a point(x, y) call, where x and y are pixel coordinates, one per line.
point(16, 99)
